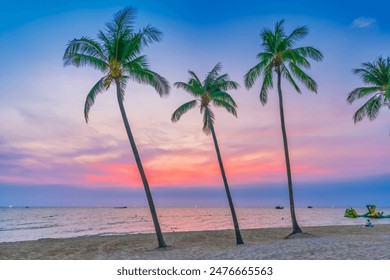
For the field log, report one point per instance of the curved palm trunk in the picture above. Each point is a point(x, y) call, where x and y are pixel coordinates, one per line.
point(231, 205)
point(296, 228)
point(160, 238)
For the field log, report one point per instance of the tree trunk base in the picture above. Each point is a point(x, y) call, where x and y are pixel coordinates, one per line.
point(166, 247)
point(299, 235)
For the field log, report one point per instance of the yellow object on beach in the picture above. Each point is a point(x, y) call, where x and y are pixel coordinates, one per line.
point(375, 214)
point(350, 213)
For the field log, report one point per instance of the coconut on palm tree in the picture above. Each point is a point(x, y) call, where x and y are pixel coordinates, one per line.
point(280, 56)
point(117, 54)
point(211, 91)
point(376, 75)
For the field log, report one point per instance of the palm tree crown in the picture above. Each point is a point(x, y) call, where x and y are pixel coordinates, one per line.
point(281, 55)
point(116, 53)
point(212, 90)
point(376, 75)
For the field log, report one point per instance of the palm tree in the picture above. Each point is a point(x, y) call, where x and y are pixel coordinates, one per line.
point(280, 55)
point(376, 76)
point(211, 90)
point(116, 53)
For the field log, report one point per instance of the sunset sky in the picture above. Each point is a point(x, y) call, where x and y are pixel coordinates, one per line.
point(50, 156)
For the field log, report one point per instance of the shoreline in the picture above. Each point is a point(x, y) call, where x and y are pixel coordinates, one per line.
point(328, 242)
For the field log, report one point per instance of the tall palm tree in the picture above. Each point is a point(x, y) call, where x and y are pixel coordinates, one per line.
point(117, 53)
point(280, 55)
point(211, 91)
point(376, 75)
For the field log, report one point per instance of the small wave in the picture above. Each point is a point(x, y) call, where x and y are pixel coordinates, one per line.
point(77, 230)
point(31, 223)
point(109, 234)
point(29, 228)
point(116, 223)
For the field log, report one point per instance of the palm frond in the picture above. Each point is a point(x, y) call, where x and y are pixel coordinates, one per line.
point(228, 85)
point(208, 120)
point(387, 93)
point(303, 77)
point(368, 76)
point(380, 69)
point(85, 52)
point(224, 96)
point(150, 34)
point(81, 60)
point(122, 85)
point(279, 26)
point(297, 34)
point(268, 40)
point(293, 56)
point(138, 70)
point(138, 63)
point(376, 75)
point(267, 84)
point(130, 49)
point(223, 83)
point(253, 74)
point(87, 46)
point(370, 109)
point(265, 57)
point(148, 77)
point(123, 21)
point(310, 52)
point(191, 87)
point(182, 110)
point(194, 77)
point(361, 92)
point(91, 96)
point(213, 74)
point(286, 74)
point(225, 105)
point(278, 36)
point(107, 45)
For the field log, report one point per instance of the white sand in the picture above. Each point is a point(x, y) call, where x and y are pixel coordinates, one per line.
point(331, 242)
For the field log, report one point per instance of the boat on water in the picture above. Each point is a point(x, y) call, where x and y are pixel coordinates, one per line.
point(279, 207)
point(122, 207)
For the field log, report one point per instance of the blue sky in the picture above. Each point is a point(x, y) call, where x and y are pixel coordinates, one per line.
point(45, 142)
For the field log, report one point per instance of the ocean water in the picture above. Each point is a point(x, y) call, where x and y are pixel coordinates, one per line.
point(18, 224)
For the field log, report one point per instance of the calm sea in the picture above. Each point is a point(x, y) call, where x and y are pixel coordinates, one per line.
point(17, 224)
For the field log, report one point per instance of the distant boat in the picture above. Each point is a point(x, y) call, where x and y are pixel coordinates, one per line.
point(279, 207)
point(309, 206)
point(122, 207)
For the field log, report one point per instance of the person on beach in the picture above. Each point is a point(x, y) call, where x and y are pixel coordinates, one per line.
point(369, 224)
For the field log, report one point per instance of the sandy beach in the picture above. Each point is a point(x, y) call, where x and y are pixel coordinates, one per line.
point(328, 242)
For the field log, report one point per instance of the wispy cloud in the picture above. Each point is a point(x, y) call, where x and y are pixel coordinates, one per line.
point(363, 22)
